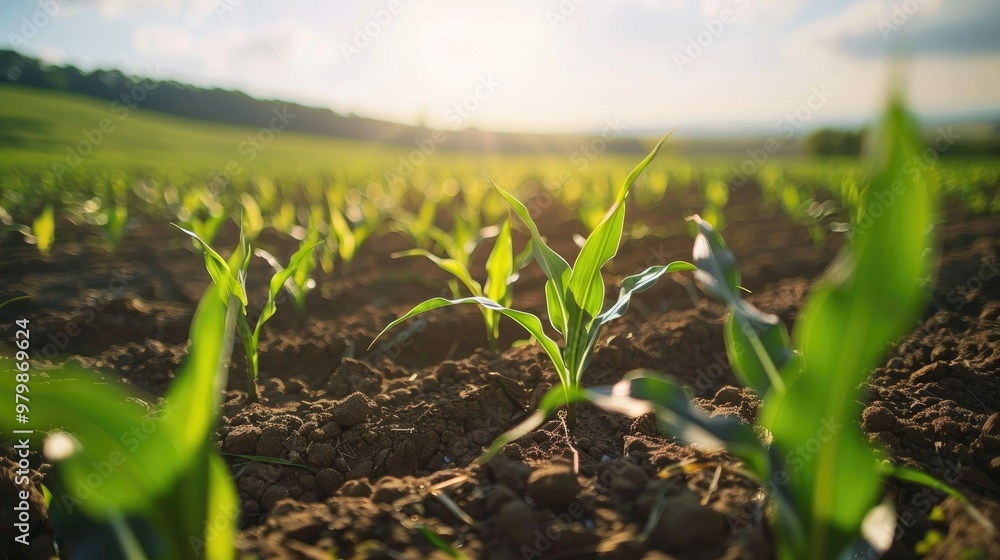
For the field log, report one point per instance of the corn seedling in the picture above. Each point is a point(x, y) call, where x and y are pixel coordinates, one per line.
point(300, 284)
point(348, 231)
point(574, 295)
point(827, 502)
point(43, 229)
point(230, 276)
point(131, 512)
point(501, 272)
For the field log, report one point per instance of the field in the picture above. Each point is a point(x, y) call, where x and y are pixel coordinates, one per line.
point(355, 445)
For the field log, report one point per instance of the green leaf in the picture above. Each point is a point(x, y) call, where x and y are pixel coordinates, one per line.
point(95, 430)
point(218, 269)
point(12, 300)
point(500, 267)
point(451, 266)
point(718, 270)
point(630, 286)
point(870, 296)
point(347, 244)
point(642, 390)
point(196, 394)
point(758, 348)
point(914, 476)
point(554, 399)
point(756, 342)
point(530, 323)
point(253, 220)
point(555, 267)
point(282, 278)
point(109, 431)
point(499, 274)
point(222, 513)
point(585, 284)
point(44, 229)
point(585, 295)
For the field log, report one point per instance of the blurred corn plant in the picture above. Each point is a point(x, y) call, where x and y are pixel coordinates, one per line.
point(230, 276)
point(300, 283)
point(502, 268)
point(131, 480)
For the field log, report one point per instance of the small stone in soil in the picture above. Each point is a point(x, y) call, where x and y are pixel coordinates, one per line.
point(356, 489)
point(242, 440)
point(517, 521)
point(321, 454)
point(353, 410)
point(330, 480)
point(498, 496)
point(729, 396)
point(389, 490)
point(553, 485)
point(686, 523)
point(877, 419)
point(271, 441)
point(251, 486)
point(272, 495)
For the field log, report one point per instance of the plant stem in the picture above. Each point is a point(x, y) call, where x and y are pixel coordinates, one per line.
point(571, 416)
point(251, 376)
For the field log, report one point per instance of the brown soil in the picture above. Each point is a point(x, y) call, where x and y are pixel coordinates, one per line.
point(390, 436)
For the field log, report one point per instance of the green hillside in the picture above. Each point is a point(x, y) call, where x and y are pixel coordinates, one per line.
point(47, 128)
point(44, 127)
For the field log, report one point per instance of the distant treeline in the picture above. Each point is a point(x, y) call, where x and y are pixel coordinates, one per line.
point(828, 141)
point(236, 107)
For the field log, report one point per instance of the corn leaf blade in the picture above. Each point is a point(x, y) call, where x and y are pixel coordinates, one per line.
point(555, 267)
point(869, 296)
point(530, 323)
point(642, 390)
point(44, 229)
point(451, 266)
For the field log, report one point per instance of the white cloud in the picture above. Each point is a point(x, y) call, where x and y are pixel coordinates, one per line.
point(52, 55)
point(163, 41)
point(194, 11)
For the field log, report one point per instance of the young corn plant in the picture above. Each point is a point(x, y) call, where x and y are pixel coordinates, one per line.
point(501, 272)
point(574, 295)
point(348, 232)
point(827, 502)
point(301, 283)
point(167, 496)
point(43, 229)
point(230, 276)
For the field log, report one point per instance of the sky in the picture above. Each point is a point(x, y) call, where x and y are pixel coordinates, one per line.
point(545, 65)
